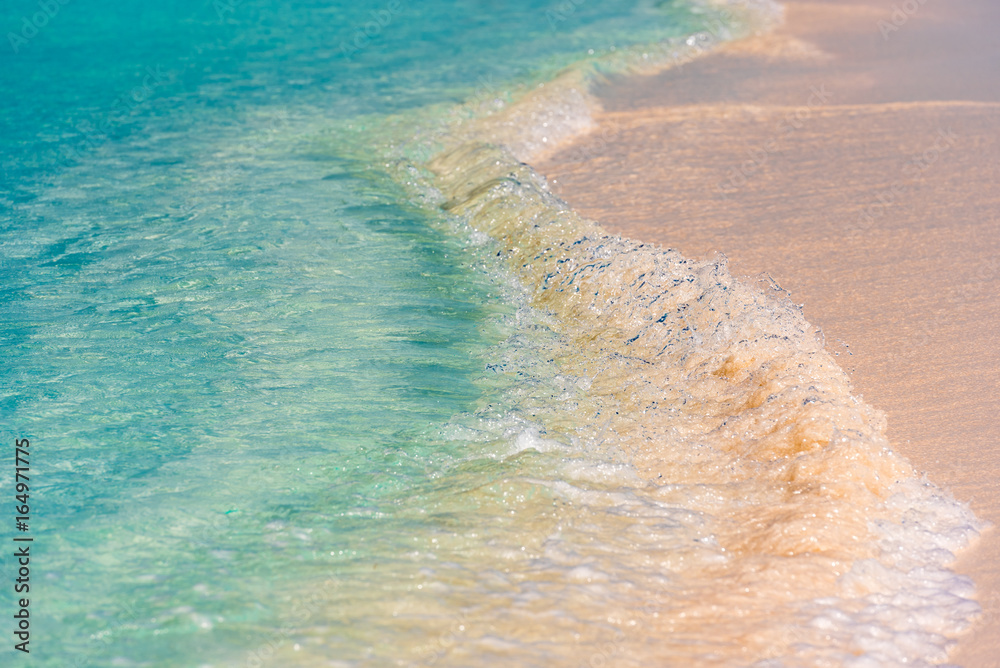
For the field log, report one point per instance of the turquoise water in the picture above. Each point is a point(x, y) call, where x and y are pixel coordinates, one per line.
point(252, 366)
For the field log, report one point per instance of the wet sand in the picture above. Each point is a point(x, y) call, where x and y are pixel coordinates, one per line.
point(854, 156)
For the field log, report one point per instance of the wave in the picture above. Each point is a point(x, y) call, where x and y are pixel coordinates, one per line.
point(799, 536)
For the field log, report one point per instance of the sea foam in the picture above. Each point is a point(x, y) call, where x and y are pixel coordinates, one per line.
point(677, 472)
point(797, 536)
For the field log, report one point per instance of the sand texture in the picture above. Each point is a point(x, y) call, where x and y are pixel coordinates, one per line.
point(854, 156)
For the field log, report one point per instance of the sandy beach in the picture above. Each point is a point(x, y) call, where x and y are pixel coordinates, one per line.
point(852, 155)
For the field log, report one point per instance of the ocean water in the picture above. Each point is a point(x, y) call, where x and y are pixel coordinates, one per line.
point(316, 372)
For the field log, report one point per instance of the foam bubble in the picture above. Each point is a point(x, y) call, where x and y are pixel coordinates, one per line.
point(737, 437)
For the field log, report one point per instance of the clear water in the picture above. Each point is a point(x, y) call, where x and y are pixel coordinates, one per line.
point(260, 377)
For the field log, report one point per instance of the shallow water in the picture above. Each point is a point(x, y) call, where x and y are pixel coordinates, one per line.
point(286, 409)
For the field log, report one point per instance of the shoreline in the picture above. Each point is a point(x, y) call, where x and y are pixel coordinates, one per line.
point(854, 158)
